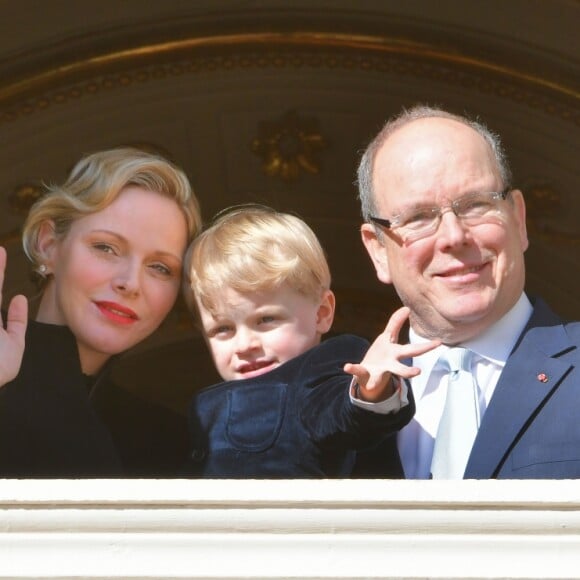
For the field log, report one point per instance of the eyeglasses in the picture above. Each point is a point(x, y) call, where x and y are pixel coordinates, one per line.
point(420, 222)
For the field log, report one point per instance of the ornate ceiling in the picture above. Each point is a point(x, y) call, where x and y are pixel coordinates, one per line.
point(272, 101)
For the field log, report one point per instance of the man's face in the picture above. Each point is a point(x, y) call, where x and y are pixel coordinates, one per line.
point(460, 279)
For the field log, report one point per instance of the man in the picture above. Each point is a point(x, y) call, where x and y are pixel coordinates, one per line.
point(445, 227)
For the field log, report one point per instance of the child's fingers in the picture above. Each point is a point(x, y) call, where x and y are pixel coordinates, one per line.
point(395, 323)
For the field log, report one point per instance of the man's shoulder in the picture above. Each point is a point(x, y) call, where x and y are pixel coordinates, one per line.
point(547, 327)
point(543, 314)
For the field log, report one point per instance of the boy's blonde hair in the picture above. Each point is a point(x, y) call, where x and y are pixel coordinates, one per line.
point(252, 248)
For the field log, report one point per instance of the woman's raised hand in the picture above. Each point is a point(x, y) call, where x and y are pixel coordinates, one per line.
point(12, 334)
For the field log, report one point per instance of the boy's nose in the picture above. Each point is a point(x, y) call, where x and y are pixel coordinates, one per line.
point(246, 340)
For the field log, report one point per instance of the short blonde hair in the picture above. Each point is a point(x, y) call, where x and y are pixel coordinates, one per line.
point(251, 248)
point(96, 181)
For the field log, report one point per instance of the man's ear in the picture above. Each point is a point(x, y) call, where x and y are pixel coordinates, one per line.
point(47, 244)
point(520, 214)
point(325, 314)
point(377, 252)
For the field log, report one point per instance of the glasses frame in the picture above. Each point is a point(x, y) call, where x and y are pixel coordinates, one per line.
point(389, 224)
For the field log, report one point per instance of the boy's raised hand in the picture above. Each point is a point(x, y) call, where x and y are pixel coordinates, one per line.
point(382, 360)
point(11, 336)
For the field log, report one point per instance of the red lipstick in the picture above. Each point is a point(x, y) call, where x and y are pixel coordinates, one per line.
point(117, 313)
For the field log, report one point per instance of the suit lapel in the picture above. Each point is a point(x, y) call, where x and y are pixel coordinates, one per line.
point(531, 374)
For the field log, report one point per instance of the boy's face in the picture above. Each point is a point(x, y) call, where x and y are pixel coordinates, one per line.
point(251, 334)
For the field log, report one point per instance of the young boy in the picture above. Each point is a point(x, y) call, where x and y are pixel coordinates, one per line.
point(259, 284)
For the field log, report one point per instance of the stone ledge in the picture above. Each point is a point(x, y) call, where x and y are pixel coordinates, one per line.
point(289, 529)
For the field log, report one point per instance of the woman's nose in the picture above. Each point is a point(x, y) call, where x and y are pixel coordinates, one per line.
point(127, 280)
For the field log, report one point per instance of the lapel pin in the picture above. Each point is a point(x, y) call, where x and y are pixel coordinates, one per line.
point(543, 378)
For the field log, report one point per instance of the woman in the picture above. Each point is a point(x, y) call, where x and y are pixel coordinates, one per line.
point(108, 246)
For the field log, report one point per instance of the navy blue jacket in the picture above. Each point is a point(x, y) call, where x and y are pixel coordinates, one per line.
point(531, 428)
point(294, 421)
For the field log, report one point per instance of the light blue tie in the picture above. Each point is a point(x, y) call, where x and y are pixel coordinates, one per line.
point(460, 419)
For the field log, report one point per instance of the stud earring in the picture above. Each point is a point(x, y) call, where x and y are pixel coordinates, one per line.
point(42, 269)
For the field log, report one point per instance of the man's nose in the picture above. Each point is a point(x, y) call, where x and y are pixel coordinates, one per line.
point(451, 229)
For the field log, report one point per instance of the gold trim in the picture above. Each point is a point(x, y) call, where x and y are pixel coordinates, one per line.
point(288, 146)
point(372, 44)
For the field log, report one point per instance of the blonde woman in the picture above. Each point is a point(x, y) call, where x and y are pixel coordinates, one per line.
point(107, 246)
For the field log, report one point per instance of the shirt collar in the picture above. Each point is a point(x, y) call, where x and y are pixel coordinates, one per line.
point(495, 344)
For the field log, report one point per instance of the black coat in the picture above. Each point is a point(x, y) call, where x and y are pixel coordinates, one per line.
point(50, 427)
point(294, 421)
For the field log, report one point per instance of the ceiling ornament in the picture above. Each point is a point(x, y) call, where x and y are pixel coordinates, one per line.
point(544, 208)
point(289, 146)
point(14, 236)
point(24, 196)
point(76, 79)
point(19, 203)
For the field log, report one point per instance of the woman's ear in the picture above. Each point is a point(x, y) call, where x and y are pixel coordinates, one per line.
point(377, 252)
point(325, 314)
point(47, 245)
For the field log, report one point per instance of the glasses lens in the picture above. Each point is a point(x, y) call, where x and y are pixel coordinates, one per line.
point(418, 223)
point(477, 206)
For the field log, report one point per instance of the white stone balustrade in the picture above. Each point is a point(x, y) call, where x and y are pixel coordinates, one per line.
point(165, 529)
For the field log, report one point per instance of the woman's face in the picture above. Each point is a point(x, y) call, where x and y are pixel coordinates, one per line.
point(116, 273)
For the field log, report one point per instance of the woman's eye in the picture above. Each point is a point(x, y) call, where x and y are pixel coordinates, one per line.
point(162, 269)
point(105, 248)
point(267, 319)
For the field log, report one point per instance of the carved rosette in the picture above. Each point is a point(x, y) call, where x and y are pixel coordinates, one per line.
point(289, 146)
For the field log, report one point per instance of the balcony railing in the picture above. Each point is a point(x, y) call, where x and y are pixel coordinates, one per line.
point(168, 529)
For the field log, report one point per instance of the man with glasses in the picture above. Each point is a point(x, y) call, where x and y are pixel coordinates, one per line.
point(500, 396)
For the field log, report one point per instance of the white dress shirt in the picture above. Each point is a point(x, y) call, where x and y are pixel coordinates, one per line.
point(415, 441)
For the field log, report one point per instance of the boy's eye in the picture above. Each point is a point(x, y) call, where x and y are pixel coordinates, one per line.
point(220, 331)
point(267, 319)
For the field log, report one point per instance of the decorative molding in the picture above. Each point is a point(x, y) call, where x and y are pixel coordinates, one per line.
point(80, 79)
point(24, 196)
point(544, 205)
point(288, 146)
point(11, 237)
point(289, 529)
